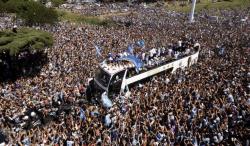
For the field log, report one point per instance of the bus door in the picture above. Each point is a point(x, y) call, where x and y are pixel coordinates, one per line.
point(189, 62)
point(115, 83)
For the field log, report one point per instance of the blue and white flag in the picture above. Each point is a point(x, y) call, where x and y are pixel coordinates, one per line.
point(106, 102)
point(82, 115)
point(136, 61)
point(130, 49)
point(140, 43)
point(159, 137)
point(98, 51)
point(222, 51)
point(107, 120)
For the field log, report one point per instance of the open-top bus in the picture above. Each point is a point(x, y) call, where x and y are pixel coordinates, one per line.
point(115, 77)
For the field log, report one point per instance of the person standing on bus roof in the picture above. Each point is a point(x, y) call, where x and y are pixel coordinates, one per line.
point(110, 57)
point(170, 51)
point(187, 51)
point(143, 56)
point(159, 52)
point(152, 52)
point(176, 55)
point(147, 58)
point(163, 51)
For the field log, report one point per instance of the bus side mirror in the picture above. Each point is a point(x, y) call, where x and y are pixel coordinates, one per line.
point(90, 80)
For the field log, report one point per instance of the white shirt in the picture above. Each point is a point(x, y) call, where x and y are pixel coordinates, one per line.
point(143, 56)
point(159, 52)
point(170, 52)
point(176, 55)
point(70, 143)
point(152, 52)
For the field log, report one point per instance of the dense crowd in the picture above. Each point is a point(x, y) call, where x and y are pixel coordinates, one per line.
point(97, 9)
point(206, 104)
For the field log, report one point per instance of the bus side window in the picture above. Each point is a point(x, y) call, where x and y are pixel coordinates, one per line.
point(117, 78)
point(131, 72)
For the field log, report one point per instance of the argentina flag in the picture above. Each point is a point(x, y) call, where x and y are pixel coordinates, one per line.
point(98, 51)
point(136, 61)
point(140, 43)
point(221, 51)
point(82, 115)
point(130, 49)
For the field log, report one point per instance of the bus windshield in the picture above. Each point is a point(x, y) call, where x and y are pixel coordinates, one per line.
point(116, 82)
point(102, 77)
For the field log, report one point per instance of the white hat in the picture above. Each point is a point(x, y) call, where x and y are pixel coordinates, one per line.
point(25, 118)
point(215, 139)
point(33, 114)
point(179, 43)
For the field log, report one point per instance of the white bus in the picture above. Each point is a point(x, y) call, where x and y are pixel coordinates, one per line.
point(115, 77)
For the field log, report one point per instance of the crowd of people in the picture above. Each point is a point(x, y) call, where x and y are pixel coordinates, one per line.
point(206, 104)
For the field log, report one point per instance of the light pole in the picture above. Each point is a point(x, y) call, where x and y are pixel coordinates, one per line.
point(191, 18)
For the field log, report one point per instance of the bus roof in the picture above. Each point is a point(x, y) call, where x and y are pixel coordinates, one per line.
point(113, 68)
point(131, 61)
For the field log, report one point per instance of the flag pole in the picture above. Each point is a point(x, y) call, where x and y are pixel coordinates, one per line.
point(191, 18)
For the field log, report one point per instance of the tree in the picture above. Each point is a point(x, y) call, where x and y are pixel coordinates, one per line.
point(24, 39)
point(2, 7)
point(30, 11)
point(22, 53)
point(35, 13)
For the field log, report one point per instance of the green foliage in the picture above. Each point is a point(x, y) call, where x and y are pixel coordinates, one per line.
point(57, 3)
point(5, 40)
point(2, 7)
point(78, 18)
point(33, 40)
point(30, 11)
point(34, 13)
point(208, 4)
